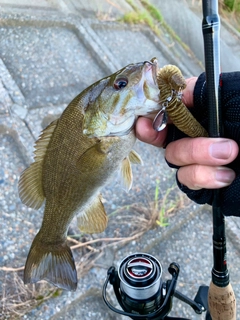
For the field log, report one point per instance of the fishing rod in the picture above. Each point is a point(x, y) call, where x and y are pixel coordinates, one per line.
point(221, 299)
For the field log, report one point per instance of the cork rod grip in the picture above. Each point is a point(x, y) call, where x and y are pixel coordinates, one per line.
point(222, 302)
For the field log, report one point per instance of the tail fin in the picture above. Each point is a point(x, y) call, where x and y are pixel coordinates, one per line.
point(51, 262)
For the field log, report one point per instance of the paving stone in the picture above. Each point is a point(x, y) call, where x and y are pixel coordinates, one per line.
point(44, 66)
point(123, 44)
point(102, 9)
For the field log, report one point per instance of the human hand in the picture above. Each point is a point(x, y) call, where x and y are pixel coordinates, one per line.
point(201, 160)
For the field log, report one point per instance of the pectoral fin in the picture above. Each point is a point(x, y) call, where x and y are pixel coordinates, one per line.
point(90, 161)
point(135, 158)
point(30, 183)
point(94, 157)
point(126, 172)
point(94, 219)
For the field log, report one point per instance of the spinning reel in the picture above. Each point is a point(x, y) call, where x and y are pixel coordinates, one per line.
point(141, 292)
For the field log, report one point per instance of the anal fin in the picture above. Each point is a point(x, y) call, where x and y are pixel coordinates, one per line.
point(94, 218)
point(126, 170)
point(135, 158)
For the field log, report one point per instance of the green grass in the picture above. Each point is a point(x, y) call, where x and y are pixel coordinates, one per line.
point(155, 13)
point(134, 17)
point(140, 17)
point(165, 206)
point(161, 220)
point(232, 5)
point(152, 17)
point(230, 10)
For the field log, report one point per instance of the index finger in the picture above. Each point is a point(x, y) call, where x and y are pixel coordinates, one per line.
point(146, 133)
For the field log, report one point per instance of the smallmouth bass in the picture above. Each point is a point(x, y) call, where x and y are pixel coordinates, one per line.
point(75, 156)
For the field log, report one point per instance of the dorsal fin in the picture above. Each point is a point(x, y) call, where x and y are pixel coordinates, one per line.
point(30, 183)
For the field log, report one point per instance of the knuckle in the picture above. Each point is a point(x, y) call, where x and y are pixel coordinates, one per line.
point(196, 177)
point(192, 177)
point(196, 150)
point(202, 177)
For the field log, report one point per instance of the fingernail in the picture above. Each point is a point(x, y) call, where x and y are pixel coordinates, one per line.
point(225, 176)
point(221, 150)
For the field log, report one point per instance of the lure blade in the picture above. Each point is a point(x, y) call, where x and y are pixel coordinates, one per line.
point(160, 121)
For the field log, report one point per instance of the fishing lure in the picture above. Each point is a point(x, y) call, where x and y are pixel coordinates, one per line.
point(171, 83)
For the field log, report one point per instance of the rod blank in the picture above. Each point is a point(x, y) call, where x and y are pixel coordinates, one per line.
point(221, 299)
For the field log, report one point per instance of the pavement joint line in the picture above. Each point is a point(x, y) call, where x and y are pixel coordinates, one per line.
point(6, 100)
point(112, 64)
point(7, 130)
point(10, 85)
point(63, 6)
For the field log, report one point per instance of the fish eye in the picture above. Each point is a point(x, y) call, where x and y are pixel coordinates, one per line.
point(120, 83)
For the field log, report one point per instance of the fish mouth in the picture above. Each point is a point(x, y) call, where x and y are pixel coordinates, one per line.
point(151, 68)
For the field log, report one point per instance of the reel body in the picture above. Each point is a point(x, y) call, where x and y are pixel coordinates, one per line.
point(141, 292)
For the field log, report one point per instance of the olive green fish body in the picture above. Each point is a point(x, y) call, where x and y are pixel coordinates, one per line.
point(75, 156)
point(74, 172)
point(67, 166)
